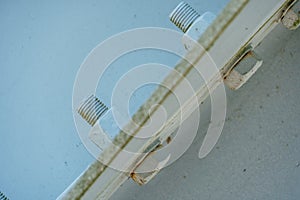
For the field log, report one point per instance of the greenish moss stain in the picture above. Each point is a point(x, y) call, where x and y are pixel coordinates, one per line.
point(296, 23)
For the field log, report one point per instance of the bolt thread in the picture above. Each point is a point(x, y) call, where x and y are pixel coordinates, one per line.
point(3, 197)
point(92, 109)
point(183, 16)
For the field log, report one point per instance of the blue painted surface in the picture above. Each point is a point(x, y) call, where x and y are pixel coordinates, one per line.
point(42, 44)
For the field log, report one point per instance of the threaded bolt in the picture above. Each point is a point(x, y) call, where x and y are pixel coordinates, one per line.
point(3, 197)
point(183, 16)
point(92, 109)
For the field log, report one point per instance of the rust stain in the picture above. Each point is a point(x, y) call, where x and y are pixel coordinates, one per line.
point(137, 178)
point(168, 140)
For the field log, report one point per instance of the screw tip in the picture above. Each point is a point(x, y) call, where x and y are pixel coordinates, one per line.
point(92, 109)
point(183, 16)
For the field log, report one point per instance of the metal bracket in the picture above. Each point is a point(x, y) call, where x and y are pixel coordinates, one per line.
point(234, 79)
point(147, 169)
